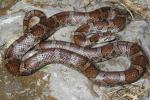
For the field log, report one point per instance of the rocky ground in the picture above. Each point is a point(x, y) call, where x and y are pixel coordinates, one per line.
point(56, 81)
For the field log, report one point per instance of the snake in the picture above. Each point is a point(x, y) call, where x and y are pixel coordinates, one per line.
point(101, 22)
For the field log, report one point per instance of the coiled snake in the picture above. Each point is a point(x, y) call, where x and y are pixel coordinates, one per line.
point(105, 21)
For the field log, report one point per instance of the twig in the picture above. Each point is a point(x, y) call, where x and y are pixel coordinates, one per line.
point(136, 8)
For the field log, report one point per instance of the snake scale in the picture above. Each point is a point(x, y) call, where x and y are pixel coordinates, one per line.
point(105, 21)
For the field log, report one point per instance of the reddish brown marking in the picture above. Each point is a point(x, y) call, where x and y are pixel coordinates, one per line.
point(12, 65)
point(90, 72)
point(94, 38)
point(79, 38)
point(107, 49)
point(131, 74)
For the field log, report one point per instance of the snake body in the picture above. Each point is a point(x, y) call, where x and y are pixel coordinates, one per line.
point(105, 20)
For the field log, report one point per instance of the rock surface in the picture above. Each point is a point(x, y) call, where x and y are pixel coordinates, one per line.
point(56, 81)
